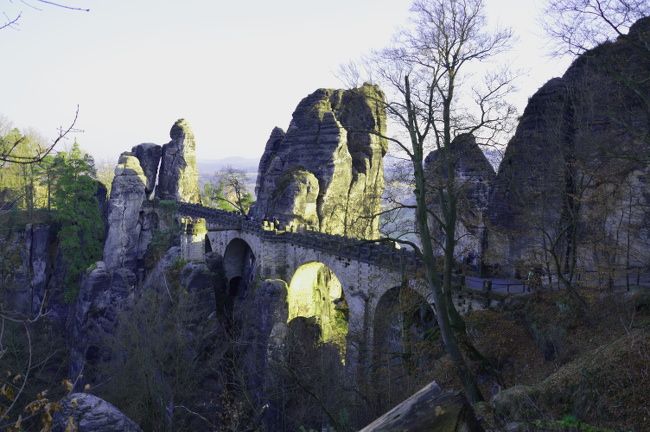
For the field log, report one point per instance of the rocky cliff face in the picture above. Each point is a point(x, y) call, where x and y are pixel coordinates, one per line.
point(326, 171)
point(149, 157)
point(179, 177)
point(473, 175)
point(132, 220)
point(103, 293)
point(124, 221)
point(580, 148)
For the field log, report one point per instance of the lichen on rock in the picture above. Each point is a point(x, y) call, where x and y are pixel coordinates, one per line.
point(333, 149)
point(124, 224)
point(179, 176)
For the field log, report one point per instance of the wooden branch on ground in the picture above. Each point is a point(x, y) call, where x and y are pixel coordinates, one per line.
point(430, 409)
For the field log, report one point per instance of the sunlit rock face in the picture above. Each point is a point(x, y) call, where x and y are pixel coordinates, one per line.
point(326, 172)
point(315, 292)
point(296, 198)
point(179, 177)
point(124, 221)
point(473, 175)
point(579, 149)
point(149, 157)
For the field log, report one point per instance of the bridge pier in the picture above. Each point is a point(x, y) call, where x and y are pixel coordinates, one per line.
point(192, 239)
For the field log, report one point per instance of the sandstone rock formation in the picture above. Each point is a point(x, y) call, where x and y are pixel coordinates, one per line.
point(103, 294)
point(473, 175)
point(149, 157)
point(124, 224)
point(84, 412)
point(575, 167)
point(326, 172)
point(179, 177)
point(265, 312)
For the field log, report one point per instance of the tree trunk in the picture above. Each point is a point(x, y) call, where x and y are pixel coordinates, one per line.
point(442, 308)
point(430, 409)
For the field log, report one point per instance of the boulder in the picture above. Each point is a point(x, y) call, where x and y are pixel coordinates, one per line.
point(124, 214)
point(179, 177)
point(84, 412)
point(326, 171)
point(149, 157)
point(295, 198)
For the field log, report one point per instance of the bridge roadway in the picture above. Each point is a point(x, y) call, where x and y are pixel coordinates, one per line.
point(375, 253)
point(380, 254)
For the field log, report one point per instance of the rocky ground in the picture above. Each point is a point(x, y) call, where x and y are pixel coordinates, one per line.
point(563, 369)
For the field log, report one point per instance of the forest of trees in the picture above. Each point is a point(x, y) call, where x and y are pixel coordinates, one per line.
point(61, 188)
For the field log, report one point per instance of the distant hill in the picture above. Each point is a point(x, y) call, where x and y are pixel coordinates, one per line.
point(207, 167)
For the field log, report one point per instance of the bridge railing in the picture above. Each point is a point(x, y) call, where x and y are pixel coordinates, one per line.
point(371, 253)
point(379, 254)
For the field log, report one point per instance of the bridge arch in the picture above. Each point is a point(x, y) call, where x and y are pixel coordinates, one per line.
point(239, 265)
point(405, 343)
point(316, 292)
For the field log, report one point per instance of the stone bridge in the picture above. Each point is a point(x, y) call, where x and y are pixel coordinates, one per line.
point(375, 280)
point(367, 271)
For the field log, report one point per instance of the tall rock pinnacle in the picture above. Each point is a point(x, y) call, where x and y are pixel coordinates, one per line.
point(179, 178)
point(326, 172)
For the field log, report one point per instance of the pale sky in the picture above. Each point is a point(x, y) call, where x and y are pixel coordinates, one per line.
point(233, 68)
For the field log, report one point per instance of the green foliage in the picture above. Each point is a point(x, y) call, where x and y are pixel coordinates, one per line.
point(568, 423)
point(168, 205)
point(105, 174)
point(20, 184)
point(227, 191)
point(176, 267)
point(162, 240)
point(77, 212)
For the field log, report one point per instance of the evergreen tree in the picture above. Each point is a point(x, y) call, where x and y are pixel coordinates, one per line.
point(77, 211)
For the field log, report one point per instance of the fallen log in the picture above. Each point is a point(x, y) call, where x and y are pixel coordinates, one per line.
point(429, 410)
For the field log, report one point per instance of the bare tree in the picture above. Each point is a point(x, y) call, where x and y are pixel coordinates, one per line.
point(11, 21)
point(426, 74)
point(8, 146)
point(579, 25)
point(229, 191)
point(598, 180)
